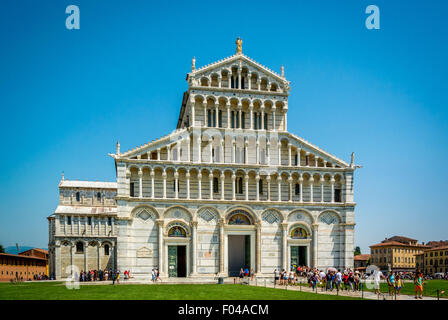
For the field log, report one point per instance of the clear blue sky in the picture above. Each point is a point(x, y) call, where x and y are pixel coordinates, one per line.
point(66, 96)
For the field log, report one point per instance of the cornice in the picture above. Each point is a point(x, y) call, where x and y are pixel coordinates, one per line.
point(230, 165)
point(233, 202)
point(241, 92)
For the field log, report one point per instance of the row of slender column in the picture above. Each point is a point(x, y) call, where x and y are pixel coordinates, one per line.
point(246, 180)
point(239, 80)
point(239, 111)
point(87, 226)
point(221, 159)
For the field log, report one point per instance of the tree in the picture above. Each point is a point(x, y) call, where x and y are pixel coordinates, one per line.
point(357, 251)
point(2, 250)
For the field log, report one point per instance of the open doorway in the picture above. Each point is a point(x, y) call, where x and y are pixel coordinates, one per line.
point(238, 253)
point(177, 261)
point(298, 256)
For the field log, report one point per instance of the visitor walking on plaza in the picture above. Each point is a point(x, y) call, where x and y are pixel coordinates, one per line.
point(418, 281)
point(338, 279)
point(153, 275)
point(252, 274)
point(158, 275)
point(377, 275)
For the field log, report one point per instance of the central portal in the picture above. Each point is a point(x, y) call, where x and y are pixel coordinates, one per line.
point(298, 256)
point(177, 264)
point(239, 254)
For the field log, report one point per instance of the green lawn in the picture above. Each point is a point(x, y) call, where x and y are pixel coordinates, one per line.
point(429, 288)
point(58, 291)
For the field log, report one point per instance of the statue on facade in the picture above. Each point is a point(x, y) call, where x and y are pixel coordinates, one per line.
point(239, 45)
point(193, 64)
point(352, 162)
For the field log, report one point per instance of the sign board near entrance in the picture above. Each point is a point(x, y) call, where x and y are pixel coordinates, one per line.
point(144, 253)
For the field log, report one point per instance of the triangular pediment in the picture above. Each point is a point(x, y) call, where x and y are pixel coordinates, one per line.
point(181, 136)
point(237, 60)
point(306, 146)
point(144, 151)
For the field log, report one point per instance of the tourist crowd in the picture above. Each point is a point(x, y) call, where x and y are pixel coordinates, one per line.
point(329, 279)
point(100, 275)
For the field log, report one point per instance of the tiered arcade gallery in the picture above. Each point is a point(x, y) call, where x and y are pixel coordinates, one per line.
point(230, 188)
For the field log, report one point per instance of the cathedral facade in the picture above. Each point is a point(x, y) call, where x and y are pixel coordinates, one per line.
point(229, 188)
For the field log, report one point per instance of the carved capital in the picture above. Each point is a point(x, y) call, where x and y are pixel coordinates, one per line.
point(284, 226)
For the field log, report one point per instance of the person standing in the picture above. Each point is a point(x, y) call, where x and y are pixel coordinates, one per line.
point(323, 279)
point(418, 282)
point(241, 275)
point(391, 283)
point(377, 279)
point(398, 284)
point(338, 279)
point(153, 275)
point(276, 276)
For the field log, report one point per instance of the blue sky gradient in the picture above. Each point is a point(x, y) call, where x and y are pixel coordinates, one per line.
point(66, 96)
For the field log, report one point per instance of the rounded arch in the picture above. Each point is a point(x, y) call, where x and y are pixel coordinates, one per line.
point(142, 207)
point(301, 215)
point(329, 216)
point(243, 210)
point(107, 242)
point(178, 212)
point(93, 243)
point(200, 96)
point(299, 230)
point(172, 229)
point(66, 243)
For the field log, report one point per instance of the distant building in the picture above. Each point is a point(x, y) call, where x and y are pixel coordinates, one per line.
point(433, 244)
point(396, 253)
point(24, 266)
point(433, 260)
point(361, 261)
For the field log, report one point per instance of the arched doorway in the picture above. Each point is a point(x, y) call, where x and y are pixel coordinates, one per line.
point(299, 246)
point(240, 241)
point(177, 251)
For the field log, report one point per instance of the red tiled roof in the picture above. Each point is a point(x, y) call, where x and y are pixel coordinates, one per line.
point(362, 257)
point(396, 243)
point(400, 239)
point(36, 249)
point(20, 256)
point(437, 248)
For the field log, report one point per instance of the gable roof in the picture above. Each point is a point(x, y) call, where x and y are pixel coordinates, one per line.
point(235, 57)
